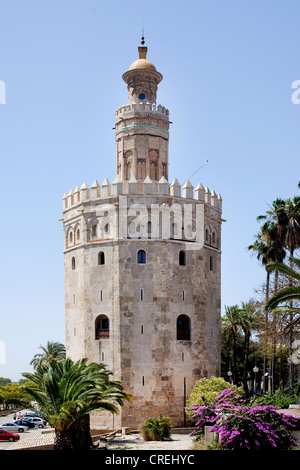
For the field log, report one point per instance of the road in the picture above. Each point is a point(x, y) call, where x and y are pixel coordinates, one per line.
point(4, 445)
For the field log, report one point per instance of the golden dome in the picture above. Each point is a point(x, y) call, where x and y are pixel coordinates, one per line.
point(142, 64)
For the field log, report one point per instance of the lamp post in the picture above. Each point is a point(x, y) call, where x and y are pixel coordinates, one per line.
point(229, 373)
point(255, 370)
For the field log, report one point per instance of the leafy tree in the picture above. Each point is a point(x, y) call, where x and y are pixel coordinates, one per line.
point(4, 381)
point(66, 392)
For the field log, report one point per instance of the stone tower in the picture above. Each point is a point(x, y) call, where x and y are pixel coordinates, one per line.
point(142, 267)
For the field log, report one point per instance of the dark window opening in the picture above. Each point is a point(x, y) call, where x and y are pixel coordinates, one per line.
point(141, 257)
point(183, 327)
point(101, 258)
point(182, 258)
point(102, 327)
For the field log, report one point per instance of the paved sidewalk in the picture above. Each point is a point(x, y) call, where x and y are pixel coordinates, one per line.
point(130, 441)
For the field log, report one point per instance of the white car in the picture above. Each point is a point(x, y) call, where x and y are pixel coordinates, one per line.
point(39, 422)
point(12, 427)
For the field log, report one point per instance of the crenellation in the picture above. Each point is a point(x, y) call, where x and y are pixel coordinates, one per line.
point(140, 106)
point(106, 188)
point(149, 187)
point(207, 195)
point(84, 192)
point(175, 188)
point(95, 190)
point(188, 190)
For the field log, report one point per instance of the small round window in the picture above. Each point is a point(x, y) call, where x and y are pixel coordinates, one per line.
point(142, 96)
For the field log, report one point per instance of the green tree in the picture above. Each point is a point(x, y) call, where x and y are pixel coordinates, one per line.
point(231, 325)
point(52, 350)
point(287, 294)
point(66, 392)
point(248, 321)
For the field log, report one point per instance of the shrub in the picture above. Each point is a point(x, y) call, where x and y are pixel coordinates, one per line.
point(209, 413)
point(206, 390)
point(242, 427)
point(282, 398)
point(156, 429)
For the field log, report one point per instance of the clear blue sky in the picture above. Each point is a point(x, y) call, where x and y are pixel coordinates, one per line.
point(228, 67)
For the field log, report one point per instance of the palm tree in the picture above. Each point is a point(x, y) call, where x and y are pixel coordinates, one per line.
point(66, 392)
point(52, 350)
point(286, 294)
point(248, 321)
point(231, 324)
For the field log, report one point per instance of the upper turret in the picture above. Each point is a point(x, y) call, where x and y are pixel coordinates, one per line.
point(142, 79)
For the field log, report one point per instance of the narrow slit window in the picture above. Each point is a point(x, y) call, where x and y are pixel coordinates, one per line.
point(142, 294)
point(101, 296)
point(211, 263)
point(142, 329)
point(183, 295)
point(73, 263)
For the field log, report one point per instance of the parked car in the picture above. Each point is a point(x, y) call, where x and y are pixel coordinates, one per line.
point(29, 415)
point(12, 427)
point(39, 422)
point(8, 436)
point(24, 422)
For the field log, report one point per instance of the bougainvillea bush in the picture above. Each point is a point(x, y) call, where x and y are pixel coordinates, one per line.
point(241, 426)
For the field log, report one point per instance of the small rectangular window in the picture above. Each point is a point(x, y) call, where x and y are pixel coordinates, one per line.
point(182, 357)
point(183, 295)
point(142, 295)
point(143, 381)
point(101, 297)
point(142, 329)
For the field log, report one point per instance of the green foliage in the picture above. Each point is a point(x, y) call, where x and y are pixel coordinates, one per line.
point(282, 398)
point(206, 390)
point(156, 429)
point(13, 394)
point(4, 381)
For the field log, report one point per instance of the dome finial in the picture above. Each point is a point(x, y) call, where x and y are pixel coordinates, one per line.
point(143, 39)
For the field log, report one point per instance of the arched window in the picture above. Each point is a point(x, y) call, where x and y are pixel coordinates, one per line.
point(101, 258)
point(78, 234)
point(73, 263)
point(141, 257)
point(94, 230)
point(182, 258)
point(213, 237)
point(71, 237)
point(183, 327)
point(206, 234)
point(102, 327)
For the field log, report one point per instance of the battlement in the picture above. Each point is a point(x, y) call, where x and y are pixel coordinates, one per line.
point(149, 188)
point(142, 107)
